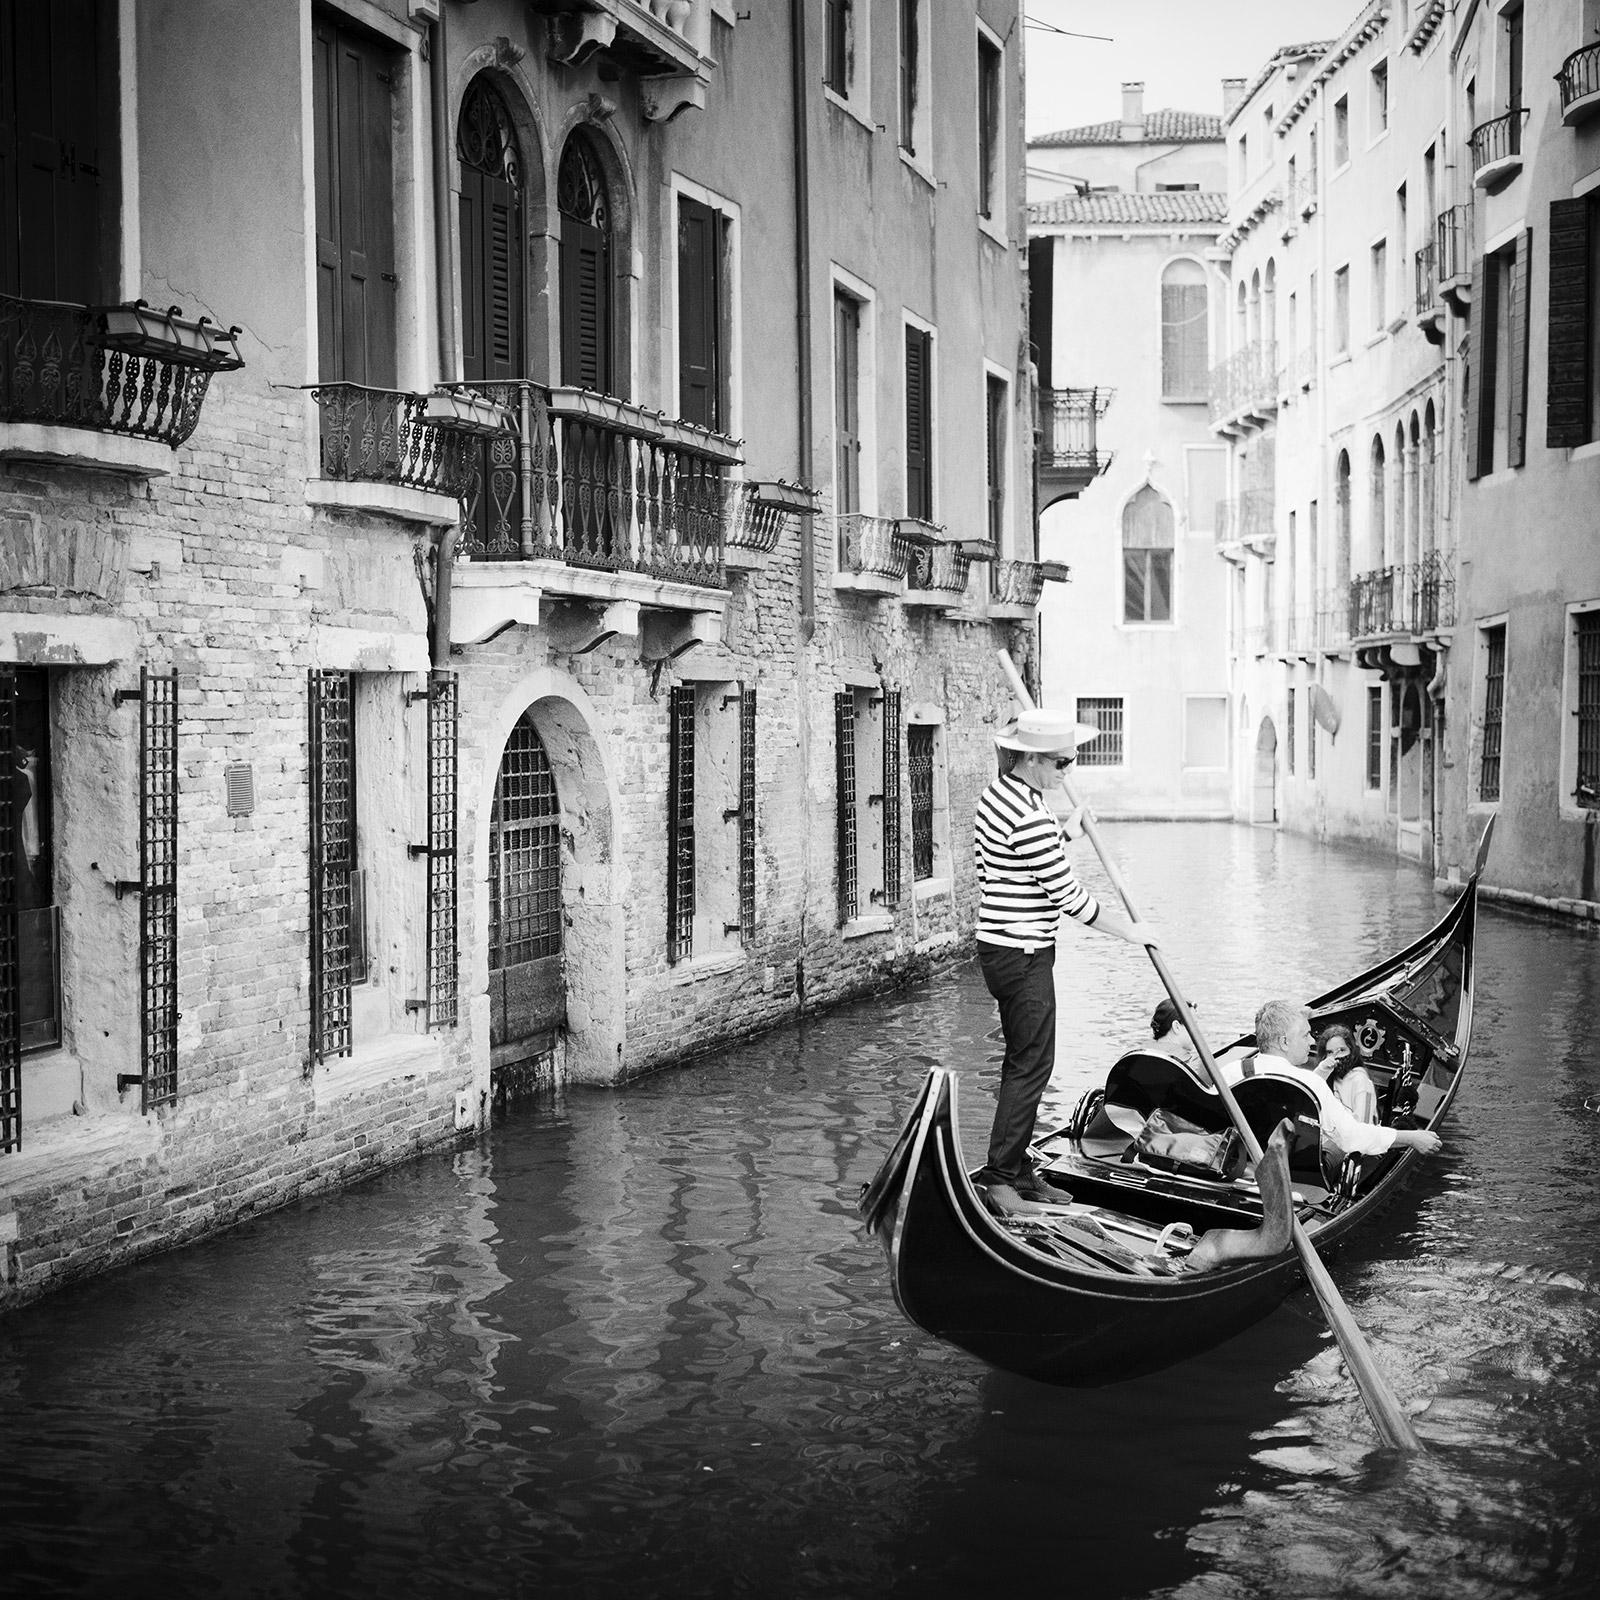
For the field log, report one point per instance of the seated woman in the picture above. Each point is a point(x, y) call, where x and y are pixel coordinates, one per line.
point(1339, 1062)
point(1170, 1039)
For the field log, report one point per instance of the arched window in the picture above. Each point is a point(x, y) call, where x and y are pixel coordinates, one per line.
point(1147, 543)
point(1184, 352)
point(1341, 525)
point(586, 300)
point(1377, 513)
point(1255, 307)
point(1428, 532)
point(1269, 313)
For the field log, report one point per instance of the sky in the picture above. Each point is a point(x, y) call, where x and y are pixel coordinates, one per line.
point(1181, 50)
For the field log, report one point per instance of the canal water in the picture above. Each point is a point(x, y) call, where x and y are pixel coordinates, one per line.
point(636, 1344)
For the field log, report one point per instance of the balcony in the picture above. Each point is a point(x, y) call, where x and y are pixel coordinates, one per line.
point(874, 553)
point(1069, 455)
point(659, 43)
point(936, 573)
point(1429, 313)
point(592, 503)
point(1579, 78)
point(1015, 587)
point(104, 387)
point(1402, 603)
point(1496, 147)
point(1245, 388)
point(754, 516)
point(1331, 620)
point(1246, 522)
point(1453, 257)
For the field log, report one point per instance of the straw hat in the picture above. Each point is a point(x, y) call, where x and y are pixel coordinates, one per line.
point(1045, 733)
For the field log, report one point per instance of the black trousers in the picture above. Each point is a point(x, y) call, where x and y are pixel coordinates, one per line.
point(1023, 982)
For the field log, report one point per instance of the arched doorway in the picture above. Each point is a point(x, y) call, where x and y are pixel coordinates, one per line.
point(587, 311)
point(527, 980)
point(1264, 791)
point(493, 325)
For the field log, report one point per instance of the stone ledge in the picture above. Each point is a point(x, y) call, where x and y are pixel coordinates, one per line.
point(84, 448)
point(66, 639)
point(865, 927)
point(390, 1059)
point(386, 499)
point(66, 1149)
point(698, 969)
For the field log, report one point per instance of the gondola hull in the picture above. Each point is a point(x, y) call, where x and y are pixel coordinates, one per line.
point(962, 1274)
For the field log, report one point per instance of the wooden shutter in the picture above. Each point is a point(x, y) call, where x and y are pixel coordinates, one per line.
point(908, 75)
point(699, 314)
point(847, 402)
point(919, 441)
point(1041, 307)
point(585, 307)
point(1517, 353)
point(1480, 370)
point(1567, 421)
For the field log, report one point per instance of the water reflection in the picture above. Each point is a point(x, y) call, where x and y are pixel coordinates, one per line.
point(636, 1344)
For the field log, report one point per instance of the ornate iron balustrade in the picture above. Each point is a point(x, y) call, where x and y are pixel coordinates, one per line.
point(1016, 583)
point(1247, 381)
point(1427, 284)
point(380, 436)
point(1579, 77)
point(61, 365)
point(938, 568)
point(1498, 139)
point(593, 481)
point(1411, 599)
point(1068, 427)
point(748, 521)
point(878, 546)
point(1453, 253)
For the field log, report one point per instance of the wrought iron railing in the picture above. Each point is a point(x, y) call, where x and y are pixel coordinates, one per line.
point(1068, 427)
point(61, 366)
point(1416, 598)
point(1453, 257)
point(938, 568)
point(873, 546)
point(1332, 619)
point(1498, 139)
point(380, 436)
point(1427, 284)
point(1247, 381)
point(1579, 76)
point(748, 521)
point(1016, 583)
point(1248, 517)
point(594, 481)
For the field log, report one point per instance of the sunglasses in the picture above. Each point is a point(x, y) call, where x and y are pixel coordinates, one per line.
point(1061, 763)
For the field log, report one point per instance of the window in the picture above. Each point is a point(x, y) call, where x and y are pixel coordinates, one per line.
point(930, 801)
point(1374, 737)
point(991, 189)
point(356, 281)
point(919, 499)
point(838, 15)
point(1494, 688)
point(335, 927)
point(1312, 690)
point(702, 310)
point(1341, 311)
point(1573, 372)
point(1380, 98)
point(1147, 545)
point(30, 856)
point(1380, 285)
point(914, 109)
point(1244, 158)
point(710, 818)
point(58, 218)
point(1497, 387)
point(996, 406)
point(1402, 232)
point(1511, 45)
point(1288, 729)
point(1176, 188)
point(587, 310)
point(1106, 715)
point(867, 735)
point(1185, 354)
point(1206, 467)
point(1205, 731)
point(846, 401)
point(1586, 640)
point(1341, 131)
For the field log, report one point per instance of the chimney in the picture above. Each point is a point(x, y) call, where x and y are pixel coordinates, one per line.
point(1232, 94)
point(1132, 111)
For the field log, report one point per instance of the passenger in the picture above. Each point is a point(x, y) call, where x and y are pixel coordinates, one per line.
point(1283, 1040)
point(1169, 1038)
point(1339, 1064)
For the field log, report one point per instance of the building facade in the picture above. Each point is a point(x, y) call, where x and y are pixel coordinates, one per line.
point(1129, 472)
point(530, 615)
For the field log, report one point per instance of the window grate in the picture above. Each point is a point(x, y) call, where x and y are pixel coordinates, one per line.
point(1587, 792)
point(919, 778)
point(844, 727)
point(524, 854)
point(333, 840)
point(444, 721)
point(1494, 687)
point(1106, 715)
point(680, 825)
point(747, 815)
point(158, 875)
point(1374, 738)
point(891, 797)
point(10, 966)
point(1288, 729)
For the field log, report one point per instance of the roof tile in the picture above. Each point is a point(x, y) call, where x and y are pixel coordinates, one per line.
point(1182, 205)
point(1160, 127)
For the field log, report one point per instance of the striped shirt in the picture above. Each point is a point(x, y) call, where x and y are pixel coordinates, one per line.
point(1025, 878)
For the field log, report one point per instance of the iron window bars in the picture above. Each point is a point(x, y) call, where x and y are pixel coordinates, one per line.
point(680, 823)
point(891, 797)
point(333, 837)
point(10, 953)
point(1106, 715)
point(444, 720)
point(919, 774)
point(747, 814)
point(1494, 684)
point(844, 720)
point(158, 888)
point(1587, 627)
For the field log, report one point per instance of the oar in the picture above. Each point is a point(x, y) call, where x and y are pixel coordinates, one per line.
point(1388, 1417)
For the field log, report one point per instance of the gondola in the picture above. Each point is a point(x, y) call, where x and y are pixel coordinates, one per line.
point(1095, 1289)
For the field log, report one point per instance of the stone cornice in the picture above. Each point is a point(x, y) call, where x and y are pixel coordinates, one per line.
point(1366, 27)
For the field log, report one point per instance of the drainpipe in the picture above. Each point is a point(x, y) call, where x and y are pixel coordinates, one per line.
point(802, 273)
point(445, 309)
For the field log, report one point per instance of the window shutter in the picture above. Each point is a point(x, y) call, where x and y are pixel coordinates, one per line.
point(919, 464)
point(1480, 370)
point(1567, 421)
point(443, 748)
point(891, 797)
point(680, 824)
point(699, 313)
point(844, 731)
point(747, 815)
point(470, 218)
point(1517, 354)
point(846, 403)
point(333, 818)
point(10, 966)
point(325, 143)
point(585, 307)
point(908, 75)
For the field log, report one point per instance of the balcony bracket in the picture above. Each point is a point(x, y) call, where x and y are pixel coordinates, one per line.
point(574, 628)
point(666, 635)
point(577, 35)
point(661, 99)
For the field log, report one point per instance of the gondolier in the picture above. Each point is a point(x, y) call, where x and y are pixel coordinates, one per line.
point(1026, 884)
